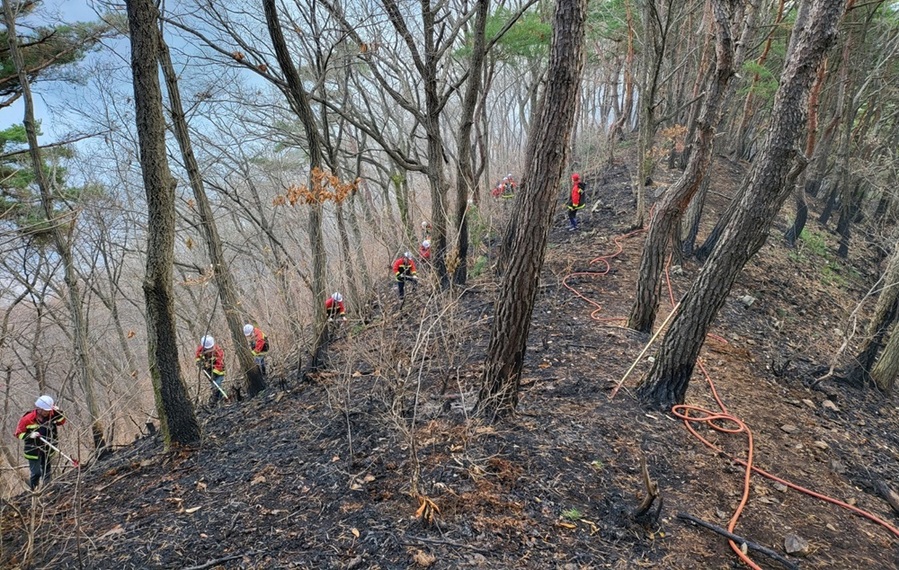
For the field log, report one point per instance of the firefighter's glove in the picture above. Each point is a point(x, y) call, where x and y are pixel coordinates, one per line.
point(330, 319)
point(34, 435)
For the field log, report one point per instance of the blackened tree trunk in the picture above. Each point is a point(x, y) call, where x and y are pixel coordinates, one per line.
point(667, 381)
point(61, 243)
point(795, 229)
point(178, 424)
point(227, 290)
point(465, 178)
point(545, 158)
point(665, 222)
point(887, 367)
point(885, 313)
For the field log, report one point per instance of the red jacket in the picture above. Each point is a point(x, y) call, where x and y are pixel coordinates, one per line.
point(34, 448)
point(401, 268)
point(258, 342)
point(332, 306)
point(213, 359)
point(577, 193)
point(424, 252)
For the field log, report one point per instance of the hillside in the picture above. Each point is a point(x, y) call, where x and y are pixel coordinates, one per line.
point(325, 474)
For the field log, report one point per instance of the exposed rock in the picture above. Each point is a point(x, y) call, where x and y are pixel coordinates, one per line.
point(789, 428)
point(828, 405)
point(747, 300)
point(796, 545)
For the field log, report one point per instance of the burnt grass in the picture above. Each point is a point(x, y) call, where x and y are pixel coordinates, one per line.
point(327, 472)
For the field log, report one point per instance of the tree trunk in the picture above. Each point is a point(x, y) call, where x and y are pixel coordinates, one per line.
point(299, 102)
point(61, 242)
point(178, 424)
point(465, 179)
point(885, 313)
point(227, 289)
point(795, 230)
point(667, 381)
point(665, 222)
point(544, 161)
point(655, 34)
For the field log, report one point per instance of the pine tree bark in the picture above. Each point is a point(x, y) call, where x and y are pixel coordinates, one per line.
point(667, 381)
point(178, 424)
point(544, 160)
point(886, 311)
point(664, 224)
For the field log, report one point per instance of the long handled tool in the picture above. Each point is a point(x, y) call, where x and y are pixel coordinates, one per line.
point(219, 388)
point(57, 450)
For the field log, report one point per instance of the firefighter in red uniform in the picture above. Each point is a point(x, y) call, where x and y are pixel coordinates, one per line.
point(576, 201)
point(334, 307)
point(37, 429)
point(424, 250)
point(404, 269)
point(508, 187)
point(210, 359)
point(258, 345)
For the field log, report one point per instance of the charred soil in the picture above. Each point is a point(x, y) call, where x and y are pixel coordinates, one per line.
point(377, 462)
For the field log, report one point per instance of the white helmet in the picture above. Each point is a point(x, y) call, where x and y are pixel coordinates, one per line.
point(426, 244)
point(407, 255)
point(337, 296)
point(44, 403)
point(424, 225)
point(207, 342)
point(509, 176)
point(248, 329)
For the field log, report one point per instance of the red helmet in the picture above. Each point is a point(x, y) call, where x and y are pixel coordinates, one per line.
point(575, 177)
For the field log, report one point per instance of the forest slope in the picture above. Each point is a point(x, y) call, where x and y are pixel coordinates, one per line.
point(326, 474)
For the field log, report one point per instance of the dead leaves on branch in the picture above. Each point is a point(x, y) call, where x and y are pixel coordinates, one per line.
point(427, 511)
point(326, 187)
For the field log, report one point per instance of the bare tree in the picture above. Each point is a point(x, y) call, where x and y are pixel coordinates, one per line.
point(465, 178)
point(63, 245)
point(178, 424)
point(235, 316)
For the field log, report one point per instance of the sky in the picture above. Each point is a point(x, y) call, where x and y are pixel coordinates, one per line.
point(51, 11)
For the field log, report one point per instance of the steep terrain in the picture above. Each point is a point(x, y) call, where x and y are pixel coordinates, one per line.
point(375, 463)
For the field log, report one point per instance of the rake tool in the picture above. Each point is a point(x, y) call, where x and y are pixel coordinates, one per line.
point(57, 450)
point(219, 388)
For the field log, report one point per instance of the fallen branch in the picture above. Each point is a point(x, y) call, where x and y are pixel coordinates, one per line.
point(652, 491)
point(740, 540)
point(888, 494)
point(426, 540)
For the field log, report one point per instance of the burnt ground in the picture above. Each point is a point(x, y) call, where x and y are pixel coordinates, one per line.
point(327, 474)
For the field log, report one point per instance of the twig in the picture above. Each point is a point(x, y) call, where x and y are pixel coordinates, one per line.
point(652, 489)
point(888, 494)
point(445, 542)
point(740, 540)
point(217, 561)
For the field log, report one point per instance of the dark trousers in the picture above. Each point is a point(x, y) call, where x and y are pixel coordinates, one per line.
point(216, 395)
point(260, 362)
point(401, 287)
point(572, 217)
point(40, 469)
